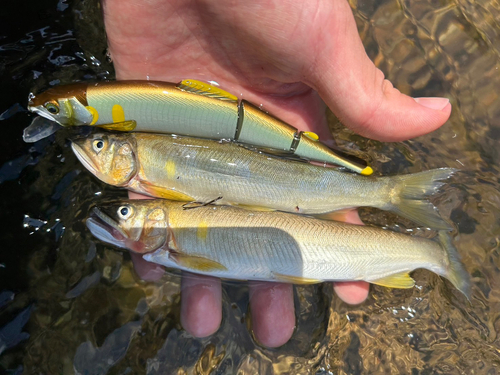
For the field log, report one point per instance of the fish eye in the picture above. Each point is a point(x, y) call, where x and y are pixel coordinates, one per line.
point(124, 212)
point(52, 107)
point(98, 145)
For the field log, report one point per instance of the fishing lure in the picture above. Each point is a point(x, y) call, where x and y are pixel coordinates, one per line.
point(191, 108)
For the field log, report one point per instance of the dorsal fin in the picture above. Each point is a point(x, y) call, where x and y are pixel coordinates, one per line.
point(205, 89)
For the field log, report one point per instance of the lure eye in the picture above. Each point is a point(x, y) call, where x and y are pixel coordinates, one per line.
point(52, 107)
point(124, 212)
point(98, 145)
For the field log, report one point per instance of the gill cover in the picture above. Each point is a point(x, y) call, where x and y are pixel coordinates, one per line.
point(111, 159)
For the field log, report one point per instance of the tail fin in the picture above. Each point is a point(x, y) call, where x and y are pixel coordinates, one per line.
point(456, 272)
point(411, 190)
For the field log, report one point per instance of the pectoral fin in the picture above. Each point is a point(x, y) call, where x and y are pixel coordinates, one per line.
point(296, 279)
point(191, 262)
point(398, 280)
point(197, 263)
point(161, 192)
point(124, 126)
point(202, 88)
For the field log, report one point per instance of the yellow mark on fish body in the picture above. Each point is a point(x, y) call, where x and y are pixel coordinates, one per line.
point(170, 168)
point(94, 113)
point(117, 113)
point(202, 230)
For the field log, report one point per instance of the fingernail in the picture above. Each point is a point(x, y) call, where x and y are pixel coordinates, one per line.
point(433, 103)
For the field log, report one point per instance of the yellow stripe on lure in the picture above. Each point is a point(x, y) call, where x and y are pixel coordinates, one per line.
point(234, 243)
point(189, 108)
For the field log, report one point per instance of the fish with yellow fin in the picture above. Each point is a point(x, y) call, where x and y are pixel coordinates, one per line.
point(194, 169)
point(234, 243)
point(191, 108)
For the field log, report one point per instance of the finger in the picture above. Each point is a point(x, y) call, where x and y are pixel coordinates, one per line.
point(273, 312)
point(349, 216)
point(358, 94)
point(352, 292)
point(201, 304)
point(147, 271)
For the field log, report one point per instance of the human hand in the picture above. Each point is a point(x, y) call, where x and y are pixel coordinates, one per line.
point(289, 56)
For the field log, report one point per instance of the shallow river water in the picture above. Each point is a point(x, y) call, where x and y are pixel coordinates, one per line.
point(70, 304)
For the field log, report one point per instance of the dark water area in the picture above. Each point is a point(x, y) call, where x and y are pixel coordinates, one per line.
point(70, 304)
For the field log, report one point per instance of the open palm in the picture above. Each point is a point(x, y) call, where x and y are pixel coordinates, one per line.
point(291, 57)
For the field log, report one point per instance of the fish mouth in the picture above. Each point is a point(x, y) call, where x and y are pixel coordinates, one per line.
point(84, 158)
point(106, 229)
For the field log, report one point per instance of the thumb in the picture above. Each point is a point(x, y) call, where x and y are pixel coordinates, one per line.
point(356, 91)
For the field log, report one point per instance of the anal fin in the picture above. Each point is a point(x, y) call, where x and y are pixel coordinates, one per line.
point(295, 279)
point(398, 280)
point(124, 126)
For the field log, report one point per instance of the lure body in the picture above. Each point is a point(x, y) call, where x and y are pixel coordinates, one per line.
point(190, 108)
point(233, 243)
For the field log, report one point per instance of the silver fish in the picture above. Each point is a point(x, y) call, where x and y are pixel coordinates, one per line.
point(192, 169)
point(234, 243)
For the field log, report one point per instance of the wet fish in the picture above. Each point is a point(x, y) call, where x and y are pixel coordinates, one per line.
point(193, 169)
point(190, 108)
point(234, 243)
